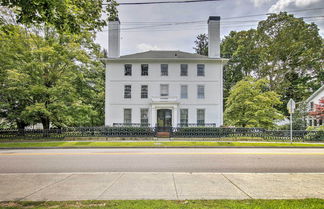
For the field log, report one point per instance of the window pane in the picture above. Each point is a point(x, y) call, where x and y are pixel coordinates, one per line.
point(201, 92)
point(200, 116)
point(164, 69)
point(144, 117)
point(164, 90)
point(183, 117)
point(144, 91)
point(128, 70)
point(184, 92)
point(127, 116)
point(200, 70)
point(128, 91)
point(184, 70)
point(144, 69)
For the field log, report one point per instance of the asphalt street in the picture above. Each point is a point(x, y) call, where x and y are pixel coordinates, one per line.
point(222, 160)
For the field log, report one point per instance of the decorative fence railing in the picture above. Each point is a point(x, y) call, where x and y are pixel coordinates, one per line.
point(208, 133)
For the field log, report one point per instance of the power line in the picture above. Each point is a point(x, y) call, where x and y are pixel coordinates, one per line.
point(164, 2)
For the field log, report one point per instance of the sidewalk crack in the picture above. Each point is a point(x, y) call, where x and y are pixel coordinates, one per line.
point(237, 186)
point(113, 183)
point(175, 186)
point(49, 185)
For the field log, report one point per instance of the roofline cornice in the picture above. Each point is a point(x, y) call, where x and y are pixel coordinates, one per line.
point(121, 60)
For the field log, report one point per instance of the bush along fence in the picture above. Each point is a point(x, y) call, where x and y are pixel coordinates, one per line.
point(206, 133)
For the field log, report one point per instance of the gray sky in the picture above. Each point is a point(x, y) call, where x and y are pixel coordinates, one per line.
point(138, 33)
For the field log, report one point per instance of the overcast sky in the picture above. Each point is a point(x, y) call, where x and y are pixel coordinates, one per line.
point(138, 33)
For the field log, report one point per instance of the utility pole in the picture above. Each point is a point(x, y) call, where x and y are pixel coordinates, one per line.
point(291, 109)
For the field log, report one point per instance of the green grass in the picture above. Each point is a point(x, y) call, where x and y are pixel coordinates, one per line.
point(152, 144)
point(166, 204)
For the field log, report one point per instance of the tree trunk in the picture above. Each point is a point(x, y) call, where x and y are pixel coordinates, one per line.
point(45, 122)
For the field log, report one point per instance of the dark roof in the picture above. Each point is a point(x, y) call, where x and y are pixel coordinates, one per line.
point(163, 55)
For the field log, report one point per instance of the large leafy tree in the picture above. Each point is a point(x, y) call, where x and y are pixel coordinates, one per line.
point(284, 49)
point(74, 16)
point(252, 104)
point(54, 79)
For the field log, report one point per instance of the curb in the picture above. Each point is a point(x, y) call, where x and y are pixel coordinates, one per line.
point(164, 147)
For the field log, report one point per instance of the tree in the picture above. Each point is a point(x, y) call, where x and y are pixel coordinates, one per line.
point(201, 44)
point(252, 104)
point(65, 16)
point(286, 50)
point(55, 79)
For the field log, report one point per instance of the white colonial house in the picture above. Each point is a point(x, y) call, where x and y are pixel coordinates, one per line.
point(313, 100)
point(164, 88)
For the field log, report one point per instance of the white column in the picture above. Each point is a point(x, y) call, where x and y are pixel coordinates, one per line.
point(174, 116)
point(153, 116)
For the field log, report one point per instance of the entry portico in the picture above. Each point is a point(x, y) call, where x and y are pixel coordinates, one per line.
point(159, 113)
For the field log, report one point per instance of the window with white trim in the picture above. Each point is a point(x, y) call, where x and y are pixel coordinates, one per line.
point(144, 117)
point(164, 90)
point(183, 117)
point(200, 70)
point(184, 70)
point(183, 91)
point(200, 116)
point(127, 116)
point(200, 91)
point(128, 70)
point(144, 91)
point(127, 91)
point(144, 68)
point(164, 70)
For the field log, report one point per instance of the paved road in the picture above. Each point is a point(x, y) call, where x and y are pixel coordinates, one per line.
point(257, 160)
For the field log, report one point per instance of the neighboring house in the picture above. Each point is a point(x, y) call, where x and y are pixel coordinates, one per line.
point(164, 88)
point(311, 102)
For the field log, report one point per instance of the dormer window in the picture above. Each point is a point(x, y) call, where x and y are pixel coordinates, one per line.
point(128, 70)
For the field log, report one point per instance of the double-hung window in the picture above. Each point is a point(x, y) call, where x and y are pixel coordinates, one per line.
point(183, 117)
point(164, 90)
point(200, 70)
point(200, 91)
point(128, 70)
point(127, 91)
point(144, 68)
point(184, 92)
point(144, 117)
point(144, 91)
point(200, 117)
point(184, 70)
point(127, 116)
point(164, 70)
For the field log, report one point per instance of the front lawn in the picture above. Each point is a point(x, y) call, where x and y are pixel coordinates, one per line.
point(169, 204)
point(76, 144)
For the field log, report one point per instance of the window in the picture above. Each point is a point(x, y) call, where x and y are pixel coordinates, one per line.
point(144, 69)
point(311, 106)
point(164, 90)
point(315, 122)
point(200, 117)
point(128, 70)
point(320, 122)
point(144, 91)
point(184, 92)
point(310, 123)
point(127, 116)
point(200, 70)
point(183, 117)
point(127, 91)
point(184, 70)
point(144, 117)
point(200, 92)
point(164, 69)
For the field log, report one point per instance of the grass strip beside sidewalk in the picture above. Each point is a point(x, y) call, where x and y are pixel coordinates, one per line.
point(77, 144)
point(172, 204)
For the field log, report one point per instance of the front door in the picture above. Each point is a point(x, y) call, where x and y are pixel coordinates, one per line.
point(164, 118)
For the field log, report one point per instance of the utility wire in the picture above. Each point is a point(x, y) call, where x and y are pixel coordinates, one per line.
point(164, 2)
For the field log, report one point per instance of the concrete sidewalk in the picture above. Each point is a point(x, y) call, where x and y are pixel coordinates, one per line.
point(108, 186)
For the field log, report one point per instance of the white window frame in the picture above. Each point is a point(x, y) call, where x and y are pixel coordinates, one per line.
point(184, 94)
point(201, 94)
point(128, 120)
point(127, 91)
point(166, 93)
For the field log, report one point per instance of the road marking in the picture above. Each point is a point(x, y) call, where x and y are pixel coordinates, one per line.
point(154, 153)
